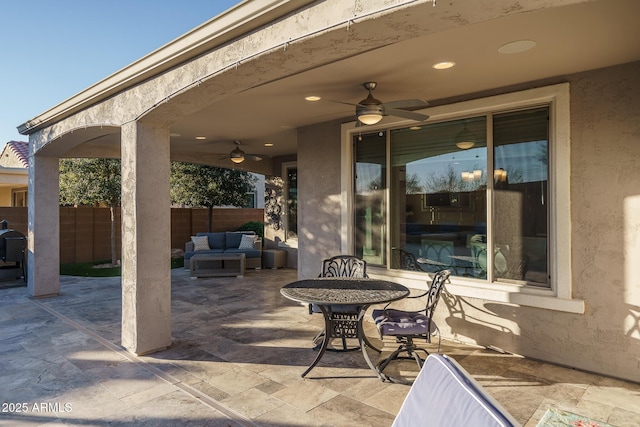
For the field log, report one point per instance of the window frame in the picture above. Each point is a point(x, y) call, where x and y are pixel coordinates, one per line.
point(288, 240)
point(559, 295)
point(14, 193)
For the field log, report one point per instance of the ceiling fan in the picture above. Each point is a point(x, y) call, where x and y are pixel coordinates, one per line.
point(370, 110)
point(238, 156)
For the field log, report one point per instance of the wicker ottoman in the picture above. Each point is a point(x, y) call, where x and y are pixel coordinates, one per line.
point(274, 258)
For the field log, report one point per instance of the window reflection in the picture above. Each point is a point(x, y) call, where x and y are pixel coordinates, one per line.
point(520, 202)
point(438, 194)
point(370, 209)
point(440, 181)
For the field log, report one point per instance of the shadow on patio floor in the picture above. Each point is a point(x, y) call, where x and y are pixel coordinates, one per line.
point(238, 350)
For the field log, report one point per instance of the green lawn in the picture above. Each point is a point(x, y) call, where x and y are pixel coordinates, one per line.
point(87, 269)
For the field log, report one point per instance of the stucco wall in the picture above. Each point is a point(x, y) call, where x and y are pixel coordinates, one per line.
point(319, 196)
point(605, 111)
point(605, 203)
point(5, 196)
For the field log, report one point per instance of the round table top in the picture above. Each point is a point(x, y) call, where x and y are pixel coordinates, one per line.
point(344, 291)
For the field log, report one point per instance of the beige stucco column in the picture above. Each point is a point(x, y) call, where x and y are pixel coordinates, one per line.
point(43, 257)
point(146, 238)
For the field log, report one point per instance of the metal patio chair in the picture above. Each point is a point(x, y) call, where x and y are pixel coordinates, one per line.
point(406, 326)
point(344, 319)
point(404, 260)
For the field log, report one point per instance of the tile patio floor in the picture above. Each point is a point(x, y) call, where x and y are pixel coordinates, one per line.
point(238, 351)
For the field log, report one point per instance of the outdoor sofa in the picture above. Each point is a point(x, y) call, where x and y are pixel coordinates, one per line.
point(226, 242)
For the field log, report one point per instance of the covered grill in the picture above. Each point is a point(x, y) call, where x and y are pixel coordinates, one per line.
point(13, 245)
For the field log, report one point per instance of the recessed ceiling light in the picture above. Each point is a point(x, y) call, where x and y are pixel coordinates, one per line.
point(201, 137)
point(268, 144)
point(415, 128)
point(443, 65)
point(312, 98)
point(517, 46)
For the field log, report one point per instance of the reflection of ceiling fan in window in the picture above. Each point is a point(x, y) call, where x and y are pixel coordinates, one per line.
point(370, 110)
point(237, 155)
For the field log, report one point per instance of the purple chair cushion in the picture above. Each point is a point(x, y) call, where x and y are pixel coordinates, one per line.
point(397, 322)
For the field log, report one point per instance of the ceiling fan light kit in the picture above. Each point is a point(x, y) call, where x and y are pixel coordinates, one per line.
point(465, 145)
point(464, 139)
point(370, 110)
point(369, 117)
point(237, 155)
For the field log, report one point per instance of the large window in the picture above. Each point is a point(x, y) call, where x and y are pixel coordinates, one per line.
point(470, 195)
point(521, 205)
point(370, 184)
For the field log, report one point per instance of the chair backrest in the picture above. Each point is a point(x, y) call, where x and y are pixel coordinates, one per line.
point(479, 255)
point(437, 250)
point(344, 266)
point(404, 260)
point(435, 290)
point(445, 395)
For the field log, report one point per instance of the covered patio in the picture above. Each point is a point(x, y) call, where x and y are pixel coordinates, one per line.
point(552, 84)
point(239, 349)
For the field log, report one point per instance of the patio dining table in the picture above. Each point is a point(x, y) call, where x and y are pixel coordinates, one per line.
point(356, 294)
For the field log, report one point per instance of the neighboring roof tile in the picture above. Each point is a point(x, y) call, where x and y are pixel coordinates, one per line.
point(21, 150)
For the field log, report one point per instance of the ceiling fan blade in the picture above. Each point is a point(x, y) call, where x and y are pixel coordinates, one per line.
point(254, 157)
point(406, 114)
point(406, 103)
point(346, 103)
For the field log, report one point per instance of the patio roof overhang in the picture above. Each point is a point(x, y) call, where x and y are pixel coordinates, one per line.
point(259, 98)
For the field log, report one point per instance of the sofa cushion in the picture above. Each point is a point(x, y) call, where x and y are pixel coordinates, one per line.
point(200, 243)
point(216, 240)
point(189, 254)
point(233, 238)
point(249, 253)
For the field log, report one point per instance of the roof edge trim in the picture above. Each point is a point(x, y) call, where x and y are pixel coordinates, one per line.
point(230, 24)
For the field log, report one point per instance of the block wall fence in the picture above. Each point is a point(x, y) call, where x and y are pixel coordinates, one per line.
point(85, 231)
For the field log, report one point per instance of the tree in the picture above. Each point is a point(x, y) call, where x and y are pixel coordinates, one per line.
point(208, 186)
point(445, 182)
point(92, 182)
point(414, 186)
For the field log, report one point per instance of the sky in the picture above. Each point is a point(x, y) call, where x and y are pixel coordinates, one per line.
point(50, 50)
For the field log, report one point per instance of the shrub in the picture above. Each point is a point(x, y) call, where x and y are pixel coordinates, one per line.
point(255, 226)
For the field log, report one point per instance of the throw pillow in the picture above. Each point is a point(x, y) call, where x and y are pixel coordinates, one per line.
point(200, 243)
point(246, 242)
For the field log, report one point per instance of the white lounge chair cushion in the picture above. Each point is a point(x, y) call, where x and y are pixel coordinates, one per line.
point(445, 395)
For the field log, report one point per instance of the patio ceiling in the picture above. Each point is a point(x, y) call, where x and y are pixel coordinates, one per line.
point(569, 39)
